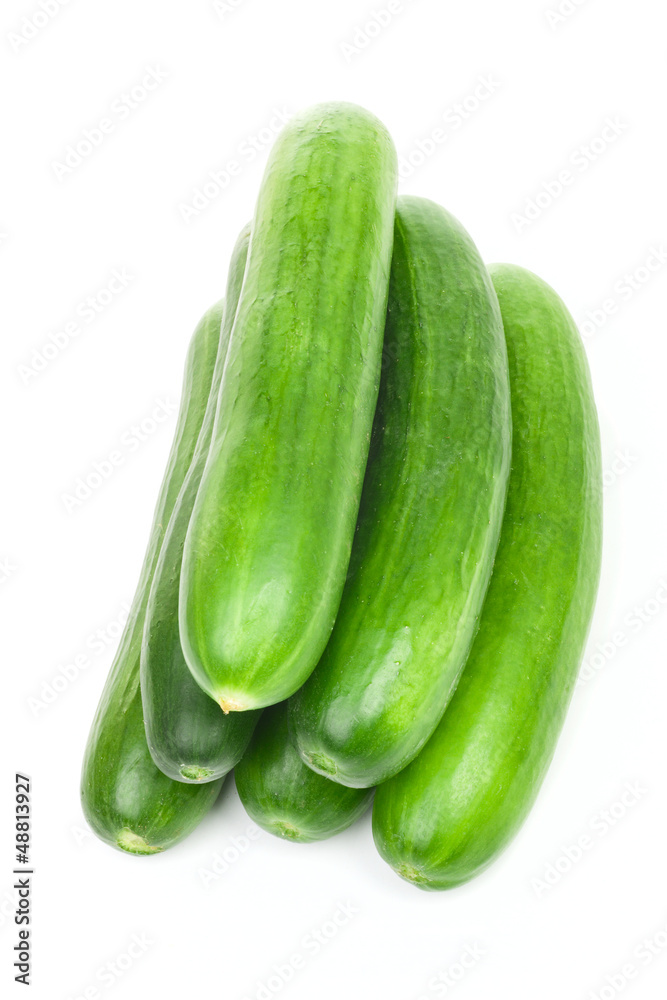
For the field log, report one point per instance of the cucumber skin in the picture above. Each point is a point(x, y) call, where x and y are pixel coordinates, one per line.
point(456, 807)
point(430, 513)
point(126, 800)
point(188, 736)
point(269, 542)
point(285, 797)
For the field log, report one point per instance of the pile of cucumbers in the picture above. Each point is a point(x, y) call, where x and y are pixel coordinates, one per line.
point(376, 549)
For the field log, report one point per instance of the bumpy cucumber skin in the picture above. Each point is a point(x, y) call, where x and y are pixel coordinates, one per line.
point(127, 801)
point(430, 513)
point(285, 797)
point(188, 736)
point(453, 810)
point(269, 542)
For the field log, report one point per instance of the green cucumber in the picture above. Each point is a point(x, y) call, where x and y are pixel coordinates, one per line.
point(430, 513)
point(127, 801)
point(452, 811)
point(188, 736)
point(269, 541)
point(285, 797)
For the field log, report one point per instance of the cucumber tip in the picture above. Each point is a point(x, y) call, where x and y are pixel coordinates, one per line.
point(287, 831)
point(323, 764)
point(193, 773)
point(230, 705)
point(132, 843)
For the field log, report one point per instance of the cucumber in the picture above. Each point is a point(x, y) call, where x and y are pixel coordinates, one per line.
point(269, 541)
point(188, 736)
point(430, 513)
point(127, 801)
point(449, 814)
point(285, 797)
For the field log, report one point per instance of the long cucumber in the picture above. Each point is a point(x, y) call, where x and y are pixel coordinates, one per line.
point(284, 796)
point(445, 818)
point(188, 736)
point(430, 513)
point(127, 800)
point(269, 541)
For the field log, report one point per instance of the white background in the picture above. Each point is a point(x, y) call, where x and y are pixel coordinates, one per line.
point(65, 575)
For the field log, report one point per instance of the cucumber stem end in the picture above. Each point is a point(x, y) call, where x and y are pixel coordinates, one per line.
point(230, 705)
